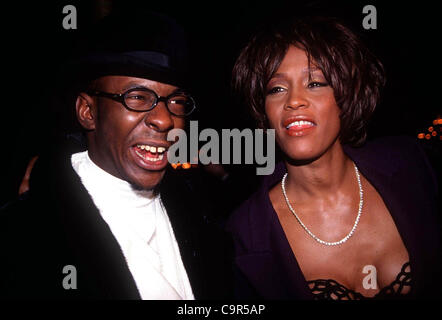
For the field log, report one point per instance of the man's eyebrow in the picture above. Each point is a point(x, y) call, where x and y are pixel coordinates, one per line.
point(136, 85)
point(177, 90)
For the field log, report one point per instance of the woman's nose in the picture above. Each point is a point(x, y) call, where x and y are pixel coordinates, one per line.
point(296, 99)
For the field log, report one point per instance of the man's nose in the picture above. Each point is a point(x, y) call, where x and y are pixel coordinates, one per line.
point(159, 118)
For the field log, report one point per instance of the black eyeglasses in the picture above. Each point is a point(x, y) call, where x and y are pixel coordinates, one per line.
point(178, 103)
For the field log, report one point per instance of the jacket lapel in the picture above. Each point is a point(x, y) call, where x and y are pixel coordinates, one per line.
point(96, 254)
point(385, 180)
point(204, 246)
point(408, 206)
point(271, 266)
point(181, 208)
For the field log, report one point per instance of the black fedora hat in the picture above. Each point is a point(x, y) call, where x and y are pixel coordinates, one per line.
point(141, 44)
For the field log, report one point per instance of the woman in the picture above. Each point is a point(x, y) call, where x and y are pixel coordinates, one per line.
point(339, 218)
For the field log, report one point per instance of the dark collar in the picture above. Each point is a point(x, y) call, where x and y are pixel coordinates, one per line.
point(92, 246)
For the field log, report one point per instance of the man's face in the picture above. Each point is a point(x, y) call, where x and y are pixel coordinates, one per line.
point(129, 145)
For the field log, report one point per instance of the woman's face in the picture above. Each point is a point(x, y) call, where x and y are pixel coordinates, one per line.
point(301, 107)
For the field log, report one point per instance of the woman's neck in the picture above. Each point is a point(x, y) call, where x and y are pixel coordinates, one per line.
point(318, 178)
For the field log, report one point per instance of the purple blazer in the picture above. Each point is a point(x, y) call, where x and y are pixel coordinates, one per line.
point(397, 167)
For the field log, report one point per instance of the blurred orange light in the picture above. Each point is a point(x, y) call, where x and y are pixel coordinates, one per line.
point(174, 165)
point(435, 122)
point(186, 165)
point(427, 136)
point(421, 136)
point(439, 121)
point(434, 133)
point(430, 129)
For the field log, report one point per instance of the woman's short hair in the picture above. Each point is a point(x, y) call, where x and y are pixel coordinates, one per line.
point(353, 72)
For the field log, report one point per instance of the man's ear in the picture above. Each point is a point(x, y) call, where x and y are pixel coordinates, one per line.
point(86, 114)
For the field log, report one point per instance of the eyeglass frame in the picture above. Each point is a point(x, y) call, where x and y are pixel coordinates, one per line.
point(121, 98)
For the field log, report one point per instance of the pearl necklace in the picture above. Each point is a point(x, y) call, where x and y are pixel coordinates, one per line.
point(361, 202)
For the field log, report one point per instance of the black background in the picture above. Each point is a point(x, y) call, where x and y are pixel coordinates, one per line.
point(34, 44)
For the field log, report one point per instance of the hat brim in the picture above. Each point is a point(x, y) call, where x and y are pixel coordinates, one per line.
point(82, 71)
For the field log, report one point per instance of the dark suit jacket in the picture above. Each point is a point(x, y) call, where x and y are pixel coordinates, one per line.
point(265, 266)
point(57, 224)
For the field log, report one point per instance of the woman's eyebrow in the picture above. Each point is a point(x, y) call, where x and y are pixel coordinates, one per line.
point(312, 72)
point(311, 69)
point(279, 75)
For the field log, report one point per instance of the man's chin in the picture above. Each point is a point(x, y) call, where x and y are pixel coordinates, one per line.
point(148, 181)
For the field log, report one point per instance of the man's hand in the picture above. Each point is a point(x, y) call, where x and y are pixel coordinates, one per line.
point(24, 186)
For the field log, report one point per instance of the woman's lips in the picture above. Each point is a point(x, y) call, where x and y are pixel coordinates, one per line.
point(299, 127)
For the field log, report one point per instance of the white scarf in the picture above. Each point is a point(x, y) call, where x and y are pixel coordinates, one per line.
point(139, 222)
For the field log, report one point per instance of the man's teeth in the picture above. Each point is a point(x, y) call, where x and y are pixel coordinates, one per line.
point(300, 123)
point(157, 153)
point(151, 148)
point(145, 157)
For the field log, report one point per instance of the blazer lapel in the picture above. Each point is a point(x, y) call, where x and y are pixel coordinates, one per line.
point(405, 205)
point(181, 208)
point(382, 179)
point(102, 270)
point(204, 246)
point(271, 266)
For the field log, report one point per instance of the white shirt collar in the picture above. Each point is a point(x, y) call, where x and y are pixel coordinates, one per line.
point(139, 222)
point(117, 199)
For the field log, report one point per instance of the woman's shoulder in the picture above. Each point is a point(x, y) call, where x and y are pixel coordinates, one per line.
point(259, 199)
point(240, 218)
point(390, 145)
point(256, 211)
point(397, 150)
point(395, 154)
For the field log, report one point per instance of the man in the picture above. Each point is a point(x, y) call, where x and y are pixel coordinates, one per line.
point(112, 221)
